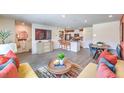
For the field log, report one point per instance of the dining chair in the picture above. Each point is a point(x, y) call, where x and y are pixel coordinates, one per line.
point(67, 45)
point(118, 50)
point(92, 50)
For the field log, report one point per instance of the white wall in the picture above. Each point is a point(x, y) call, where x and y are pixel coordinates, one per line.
point(8, 24)
point(55, 35)
point(87, 36)
point(107, 32)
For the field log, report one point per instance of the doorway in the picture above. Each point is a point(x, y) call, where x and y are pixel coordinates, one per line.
point(23, 36)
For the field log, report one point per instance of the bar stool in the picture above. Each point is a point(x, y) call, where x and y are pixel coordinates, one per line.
point(61, 43)
point(67, 45)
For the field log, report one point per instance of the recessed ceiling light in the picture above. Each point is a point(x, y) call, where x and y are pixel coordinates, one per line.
point(85, 21)
point(110, 16)
point(63, 16)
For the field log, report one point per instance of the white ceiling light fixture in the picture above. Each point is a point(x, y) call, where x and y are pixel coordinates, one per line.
point(110, 16)
point(63, 16)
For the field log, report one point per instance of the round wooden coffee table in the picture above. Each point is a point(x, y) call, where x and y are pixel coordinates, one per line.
point(59, 70)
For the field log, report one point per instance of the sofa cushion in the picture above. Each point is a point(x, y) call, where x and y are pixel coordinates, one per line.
point(111, 66)
point(10, 71)
point(120, 69)
point(25, 71)
point(3, 59)
point(104, 72)
point(89, 71)
point(11, 54)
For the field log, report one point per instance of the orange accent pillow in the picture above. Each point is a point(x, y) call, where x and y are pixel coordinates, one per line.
point(3, 59)
point(11, 54)
point(111, 58)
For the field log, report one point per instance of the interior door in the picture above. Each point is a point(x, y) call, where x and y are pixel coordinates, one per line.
point(122, 29)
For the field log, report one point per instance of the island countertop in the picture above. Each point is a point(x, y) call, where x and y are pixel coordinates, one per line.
point(75, 46)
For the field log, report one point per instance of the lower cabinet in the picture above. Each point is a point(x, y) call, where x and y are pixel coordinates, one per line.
point(43, 47)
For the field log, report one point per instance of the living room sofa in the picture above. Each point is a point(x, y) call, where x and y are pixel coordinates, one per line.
point(10, 67)
point(90, 70)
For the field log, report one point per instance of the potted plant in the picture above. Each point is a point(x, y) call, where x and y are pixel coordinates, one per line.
point(61, 56)
point(4, 34)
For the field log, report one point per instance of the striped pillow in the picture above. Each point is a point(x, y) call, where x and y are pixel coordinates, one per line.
point(104, 72)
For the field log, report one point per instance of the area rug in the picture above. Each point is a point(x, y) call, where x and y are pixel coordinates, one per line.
point(43, 72)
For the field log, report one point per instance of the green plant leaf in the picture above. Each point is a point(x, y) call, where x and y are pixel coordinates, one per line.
point(61, 56)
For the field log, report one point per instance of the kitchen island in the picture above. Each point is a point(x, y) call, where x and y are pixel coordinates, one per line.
point(75, 46)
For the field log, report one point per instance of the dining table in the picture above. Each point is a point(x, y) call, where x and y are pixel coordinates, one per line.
point(104, 46)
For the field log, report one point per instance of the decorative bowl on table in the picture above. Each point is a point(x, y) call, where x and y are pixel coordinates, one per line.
point(100, 43)
point(56, 62)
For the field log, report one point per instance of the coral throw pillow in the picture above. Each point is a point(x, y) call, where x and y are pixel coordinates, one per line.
point(11, 54)
point(111, 58)
point(104, 72)
point(3, 59)
point(122, 50)
point(111, 66)
point(105, 52)
point(108, 56)
point(10, 71)
point(11, 60)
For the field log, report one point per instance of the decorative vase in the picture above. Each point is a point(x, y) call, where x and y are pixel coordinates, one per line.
point(61, 56)
point(61, 61)
point(99, 44)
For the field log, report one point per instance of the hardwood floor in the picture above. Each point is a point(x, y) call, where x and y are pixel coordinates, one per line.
point(37, 60)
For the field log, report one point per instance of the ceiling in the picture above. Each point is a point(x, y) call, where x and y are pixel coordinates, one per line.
point(65, 20)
